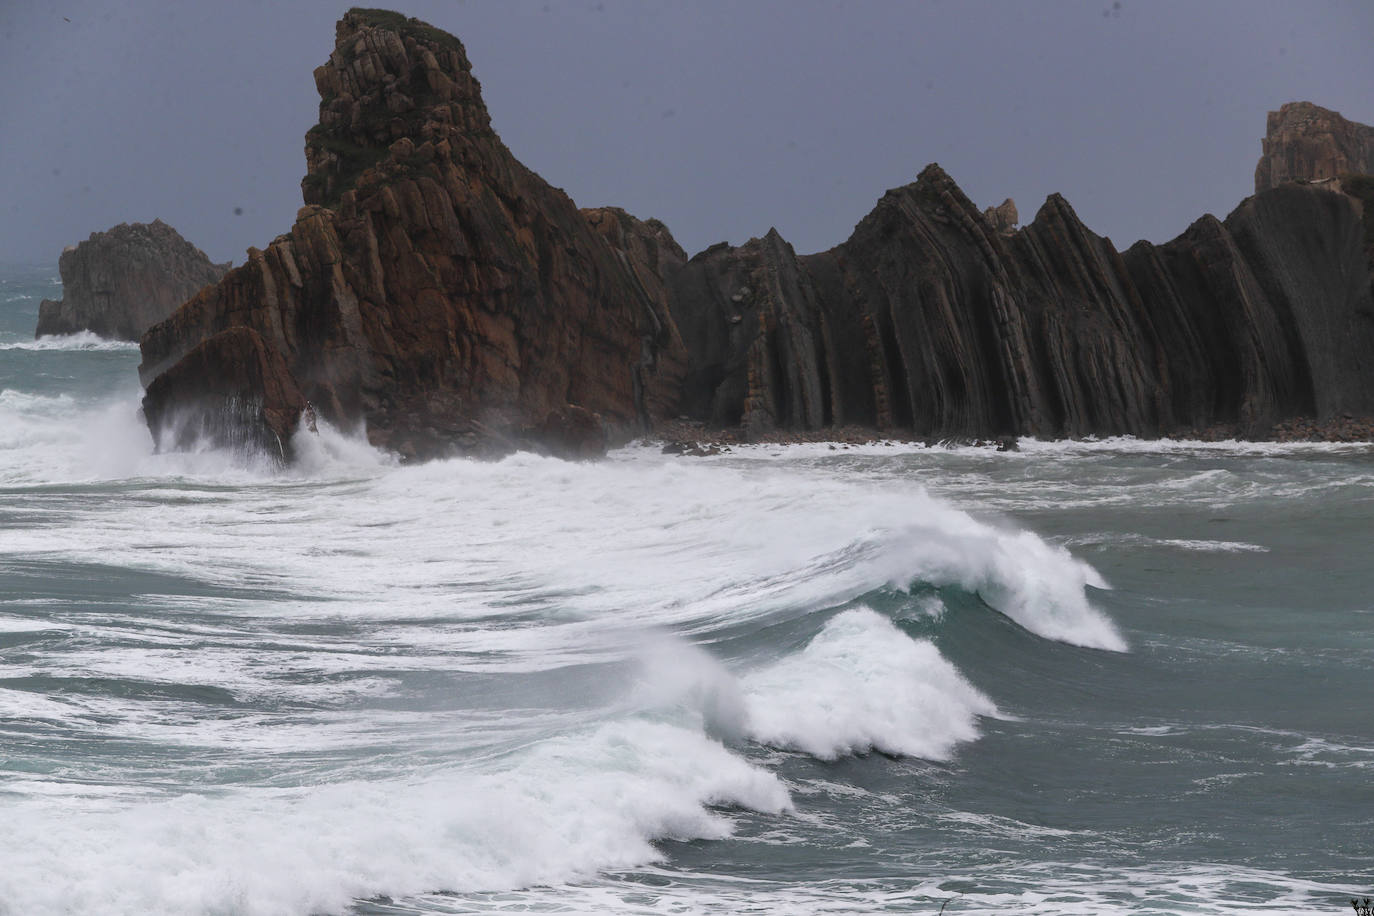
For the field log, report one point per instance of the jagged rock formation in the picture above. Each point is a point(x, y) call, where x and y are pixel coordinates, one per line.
point(432, 287)
point(120, 282)
point(438, 291)
point(935, 320)
point(1305, 142)
point(1003, 217)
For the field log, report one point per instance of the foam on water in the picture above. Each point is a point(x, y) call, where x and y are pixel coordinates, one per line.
point(1060, 889)
point(862, 685)
point(237, 688)
point(458, 567)
point(625, 543)
point(1198, 545)
point(81, 340)
point(49, 439)
point(565, 809)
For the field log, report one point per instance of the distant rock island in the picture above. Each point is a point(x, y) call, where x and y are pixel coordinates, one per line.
point(438, 292)
point(120, 282)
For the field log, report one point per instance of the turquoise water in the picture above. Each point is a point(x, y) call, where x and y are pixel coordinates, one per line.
point(1082, 678)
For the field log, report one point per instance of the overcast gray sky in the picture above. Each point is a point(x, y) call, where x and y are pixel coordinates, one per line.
point(721, 119)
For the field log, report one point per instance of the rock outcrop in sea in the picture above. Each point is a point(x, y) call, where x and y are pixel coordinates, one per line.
point(1305, 142)
point(432, 287)
point(438, 292)
point(120, 282)
point(935, 319)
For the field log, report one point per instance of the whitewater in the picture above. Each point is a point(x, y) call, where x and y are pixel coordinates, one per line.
point(1091, 677)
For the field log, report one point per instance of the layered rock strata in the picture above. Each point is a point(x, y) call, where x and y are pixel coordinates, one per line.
point(1305, 142)
point(120, 282)
point(934, 319)
point(432, 287)
point(437, 291)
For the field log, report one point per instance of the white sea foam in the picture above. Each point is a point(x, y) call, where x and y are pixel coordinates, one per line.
point(1196, 545)
point(566, 809)
point(1055, 889)
point(862, 685)
point(676, 675)
point(58, 439)
point(277, 619)
point(81, 340)
point(1034, 448)
point(51, 438)
point(629, 542)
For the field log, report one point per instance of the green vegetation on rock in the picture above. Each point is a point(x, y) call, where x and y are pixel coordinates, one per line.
point(404, 25)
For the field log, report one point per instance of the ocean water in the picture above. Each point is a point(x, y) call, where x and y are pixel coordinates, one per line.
point(1095, 677)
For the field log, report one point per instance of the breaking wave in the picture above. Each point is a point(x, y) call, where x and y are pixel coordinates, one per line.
point(82, 340)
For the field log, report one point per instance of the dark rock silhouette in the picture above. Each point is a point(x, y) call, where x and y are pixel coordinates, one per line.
point(932, 319)
point(120, 282)
point(439, 292)
point(432, 287)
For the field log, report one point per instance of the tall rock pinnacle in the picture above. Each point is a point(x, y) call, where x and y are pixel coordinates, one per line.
point(432, 288)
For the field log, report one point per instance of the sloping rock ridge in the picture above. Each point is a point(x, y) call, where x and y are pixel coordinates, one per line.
point(1305, 142)
point(120, 282)
point(432, 287)
point(937, 320)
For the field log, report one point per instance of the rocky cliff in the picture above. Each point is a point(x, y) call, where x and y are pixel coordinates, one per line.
point(438, 292)
point(1305, 142)
point(120, 282)
point(937, 319)
point(432, 287)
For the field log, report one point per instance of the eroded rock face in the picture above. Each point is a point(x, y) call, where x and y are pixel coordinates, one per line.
point(935, 320)
point(1305, 142)
point(120, 282)
point(437, 291)
point(1003, 217)
point(231, 389)
point(433, 288)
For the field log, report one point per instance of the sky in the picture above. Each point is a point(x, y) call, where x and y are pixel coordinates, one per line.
point(722, 119)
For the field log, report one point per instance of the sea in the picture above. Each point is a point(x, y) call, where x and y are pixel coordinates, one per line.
point(1111, 676)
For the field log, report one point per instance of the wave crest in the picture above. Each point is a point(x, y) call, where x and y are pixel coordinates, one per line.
point(861, 685)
